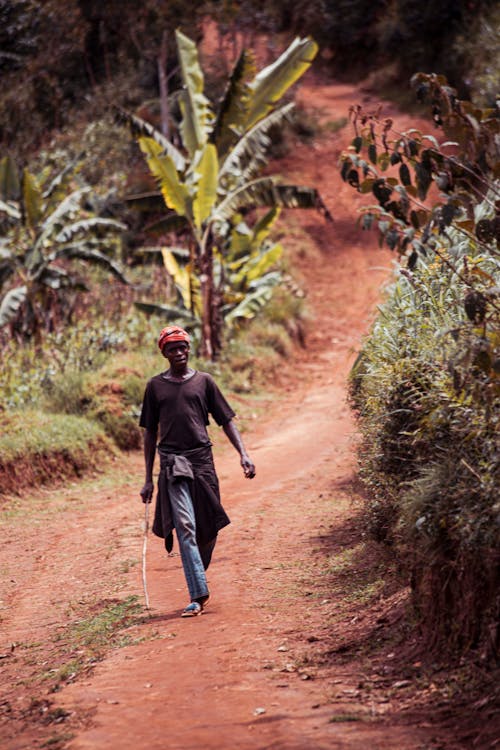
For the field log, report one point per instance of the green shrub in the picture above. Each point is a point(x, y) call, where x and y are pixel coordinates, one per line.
point(427, 392)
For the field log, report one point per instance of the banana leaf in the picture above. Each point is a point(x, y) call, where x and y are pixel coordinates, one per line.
point(175, 193)
point(250, 305)
point(10, 210)
point(185, 280)
point(11, 304)
point(84, 225)
point(10, 184)
point(272, 82)
point(141, 128)
point(58, 183)
point(266, 192)
point(58, 278)
point(232, 111)
point(197, 117)
point(250, 152)
point(32, 200)
point(82, 252)
point(264, 225)
point(255, 268)
point(206, 193)
point(69, 205)
point(170, 313)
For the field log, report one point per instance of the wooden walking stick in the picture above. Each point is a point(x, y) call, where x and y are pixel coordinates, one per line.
point(144, 550)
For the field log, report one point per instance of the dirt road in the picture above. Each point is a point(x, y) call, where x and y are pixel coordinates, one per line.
point(284, 655)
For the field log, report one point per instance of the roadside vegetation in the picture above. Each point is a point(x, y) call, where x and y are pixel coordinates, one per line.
point(427, 382)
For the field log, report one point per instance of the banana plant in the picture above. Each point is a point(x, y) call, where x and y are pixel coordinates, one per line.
point(43, 230)
point(215, 174)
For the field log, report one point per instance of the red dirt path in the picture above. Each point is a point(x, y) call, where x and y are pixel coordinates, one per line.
point(284, 656)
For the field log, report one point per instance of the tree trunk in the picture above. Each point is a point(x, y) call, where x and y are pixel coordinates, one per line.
point(211, 302)
point(163, 84)
point(207, 288)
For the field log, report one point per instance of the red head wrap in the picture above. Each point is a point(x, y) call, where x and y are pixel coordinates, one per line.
point(172, 333)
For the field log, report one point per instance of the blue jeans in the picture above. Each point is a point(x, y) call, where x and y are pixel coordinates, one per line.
point(194, 559)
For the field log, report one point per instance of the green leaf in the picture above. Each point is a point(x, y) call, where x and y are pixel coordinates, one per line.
point(250, 305)
point(232, 112)
point(86, 225)
point(141, 128)
point(357, 143)
point(345, 169)
point(366, 186)
point(372, 153)
point(32, 200)
point(68, 206)
point(81, 252)
point(272, 82)
point(57, 278)
point(384, 161)
point(404, 174)
point(206, 192)
point(256, 267)
point(170, 313)
point(197, 117)
point(175, 193)
point(10, 210)
point(265, 224)
point(424, 180)
point(10, 184)
point(265, 192)
point(249, 154)
point(185, 281)
point(11, 304)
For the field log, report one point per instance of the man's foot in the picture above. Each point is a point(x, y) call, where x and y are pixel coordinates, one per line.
point(192, 610)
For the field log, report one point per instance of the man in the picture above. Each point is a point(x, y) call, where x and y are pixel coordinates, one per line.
point(179, 402)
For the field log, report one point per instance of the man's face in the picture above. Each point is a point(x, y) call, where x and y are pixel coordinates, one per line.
point(177, 353)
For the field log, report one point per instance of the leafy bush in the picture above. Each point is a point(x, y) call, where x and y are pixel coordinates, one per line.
point(427, 382)
point(427, 392)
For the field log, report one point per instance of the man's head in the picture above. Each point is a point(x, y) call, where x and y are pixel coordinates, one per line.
point(172, 334)
point(174, 345)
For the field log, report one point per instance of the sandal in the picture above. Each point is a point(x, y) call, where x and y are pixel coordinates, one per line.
point(192, 610)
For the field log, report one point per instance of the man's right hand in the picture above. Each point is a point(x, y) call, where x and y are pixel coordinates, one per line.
point(147, 492)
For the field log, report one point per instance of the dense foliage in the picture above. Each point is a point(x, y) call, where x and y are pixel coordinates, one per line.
point(61, 59)
point(45, 226)
point(427, 384)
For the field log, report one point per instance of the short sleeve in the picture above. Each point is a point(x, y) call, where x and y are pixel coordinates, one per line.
point(217, 404)
point(150, 413)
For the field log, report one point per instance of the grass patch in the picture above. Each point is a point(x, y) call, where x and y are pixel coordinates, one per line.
point(36, 433)
point(340, 718)
point(87, 641)
point(36, 447)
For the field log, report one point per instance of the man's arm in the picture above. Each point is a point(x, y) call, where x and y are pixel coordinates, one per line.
point(234, 436)
point(149, 459)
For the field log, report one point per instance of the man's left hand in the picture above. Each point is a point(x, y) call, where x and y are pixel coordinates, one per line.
point(248, 467)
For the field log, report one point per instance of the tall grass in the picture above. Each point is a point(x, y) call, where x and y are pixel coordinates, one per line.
point(426, 389)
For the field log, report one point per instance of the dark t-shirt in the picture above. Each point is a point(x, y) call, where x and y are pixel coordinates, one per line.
point(181, 410)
